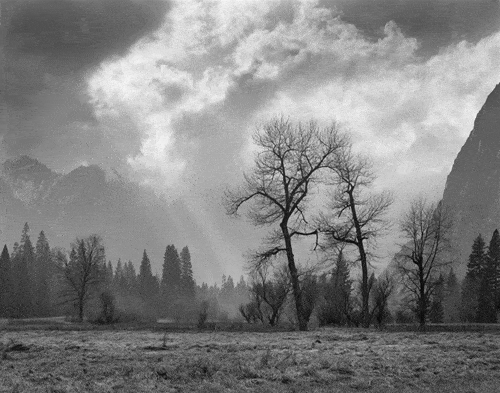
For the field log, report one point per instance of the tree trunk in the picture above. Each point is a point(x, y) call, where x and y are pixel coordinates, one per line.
point(294, 275)
point(365, 292)
point(422, 312)
point(80, 309)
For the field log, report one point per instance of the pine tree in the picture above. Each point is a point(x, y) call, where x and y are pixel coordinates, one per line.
point(24, 276)
point(493, 267)
point(476, 258)
point(108, 275)
point(171, 279)
point(147, 284)
point(335, 305)
point(451, 303)
point(43, 274)
point(488, 281)
point(6, 287)
point(119, 282)
point(486, 310)
point(188, 284)
point(130, 277)
point(436, 310)
point(472, 281)
point(227, 289)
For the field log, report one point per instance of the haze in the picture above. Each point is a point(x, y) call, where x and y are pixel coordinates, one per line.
point(168, 93)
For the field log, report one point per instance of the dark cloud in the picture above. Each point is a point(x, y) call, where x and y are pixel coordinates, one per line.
point(50, 47)
point(74, 35)
point(436, 23)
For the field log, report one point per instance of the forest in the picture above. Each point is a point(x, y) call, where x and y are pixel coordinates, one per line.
point(342, 288)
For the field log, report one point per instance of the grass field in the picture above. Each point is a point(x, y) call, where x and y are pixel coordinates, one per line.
point(328, 360)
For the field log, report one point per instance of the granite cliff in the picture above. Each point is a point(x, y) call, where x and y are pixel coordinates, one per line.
point(473, 186)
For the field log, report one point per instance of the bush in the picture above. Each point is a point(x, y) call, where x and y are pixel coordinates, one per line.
point(403, 316)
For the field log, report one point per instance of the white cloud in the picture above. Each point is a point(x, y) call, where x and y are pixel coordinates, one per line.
point(237, 63)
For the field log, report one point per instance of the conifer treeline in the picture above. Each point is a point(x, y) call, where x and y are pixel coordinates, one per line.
point(477, 298)
point(26, 278)
point(35, 281)
point(481, 286)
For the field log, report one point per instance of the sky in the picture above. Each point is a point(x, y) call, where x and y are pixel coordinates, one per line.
point(168, 93)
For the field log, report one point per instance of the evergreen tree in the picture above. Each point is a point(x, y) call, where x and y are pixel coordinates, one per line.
point(492, 269)
point(486, 282)
point(187, 281)
point(43, 274)
point(436, 310)
point(476, 258)
point(119, 280)
point(108, 275)
point(171, 279)
point(451, 303)
point(242, 291)
point(336, 293)
point(472, 281)
point(130, 277)
point(6, 287)
point(147, 284)
point(227, 288)
point(15, 251)
point(24, 276)
point(486, 310)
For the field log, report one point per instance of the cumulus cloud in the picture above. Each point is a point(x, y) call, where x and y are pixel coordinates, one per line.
point(307, 62)
point(194, 92)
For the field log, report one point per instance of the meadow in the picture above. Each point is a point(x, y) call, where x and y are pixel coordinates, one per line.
point(323, 360)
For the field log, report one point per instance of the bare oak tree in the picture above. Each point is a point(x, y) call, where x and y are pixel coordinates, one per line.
point(426, 227)
point(83, 272)
point(288, 166)
point(356, 216)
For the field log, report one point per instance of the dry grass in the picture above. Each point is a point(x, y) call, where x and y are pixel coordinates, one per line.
point(331, 360)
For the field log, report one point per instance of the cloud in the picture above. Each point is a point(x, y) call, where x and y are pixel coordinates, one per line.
point(195, 91)
point(50, 47)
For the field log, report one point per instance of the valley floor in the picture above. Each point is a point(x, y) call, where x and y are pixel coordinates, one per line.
point(328, 360)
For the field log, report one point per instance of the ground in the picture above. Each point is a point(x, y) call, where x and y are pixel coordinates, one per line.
point(326, 360)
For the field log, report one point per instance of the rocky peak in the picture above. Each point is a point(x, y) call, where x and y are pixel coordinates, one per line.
point(26, 166)
point(473, 186)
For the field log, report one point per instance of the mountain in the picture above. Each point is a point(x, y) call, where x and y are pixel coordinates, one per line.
point(473, 186)
point(130, 218)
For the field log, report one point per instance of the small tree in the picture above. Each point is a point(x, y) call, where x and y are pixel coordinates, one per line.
point(83, 272)
point(288, 166)
point(426, 227)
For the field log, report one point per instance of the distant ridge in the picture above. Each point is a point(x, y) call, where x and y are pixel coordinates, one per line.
point(130, 218)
